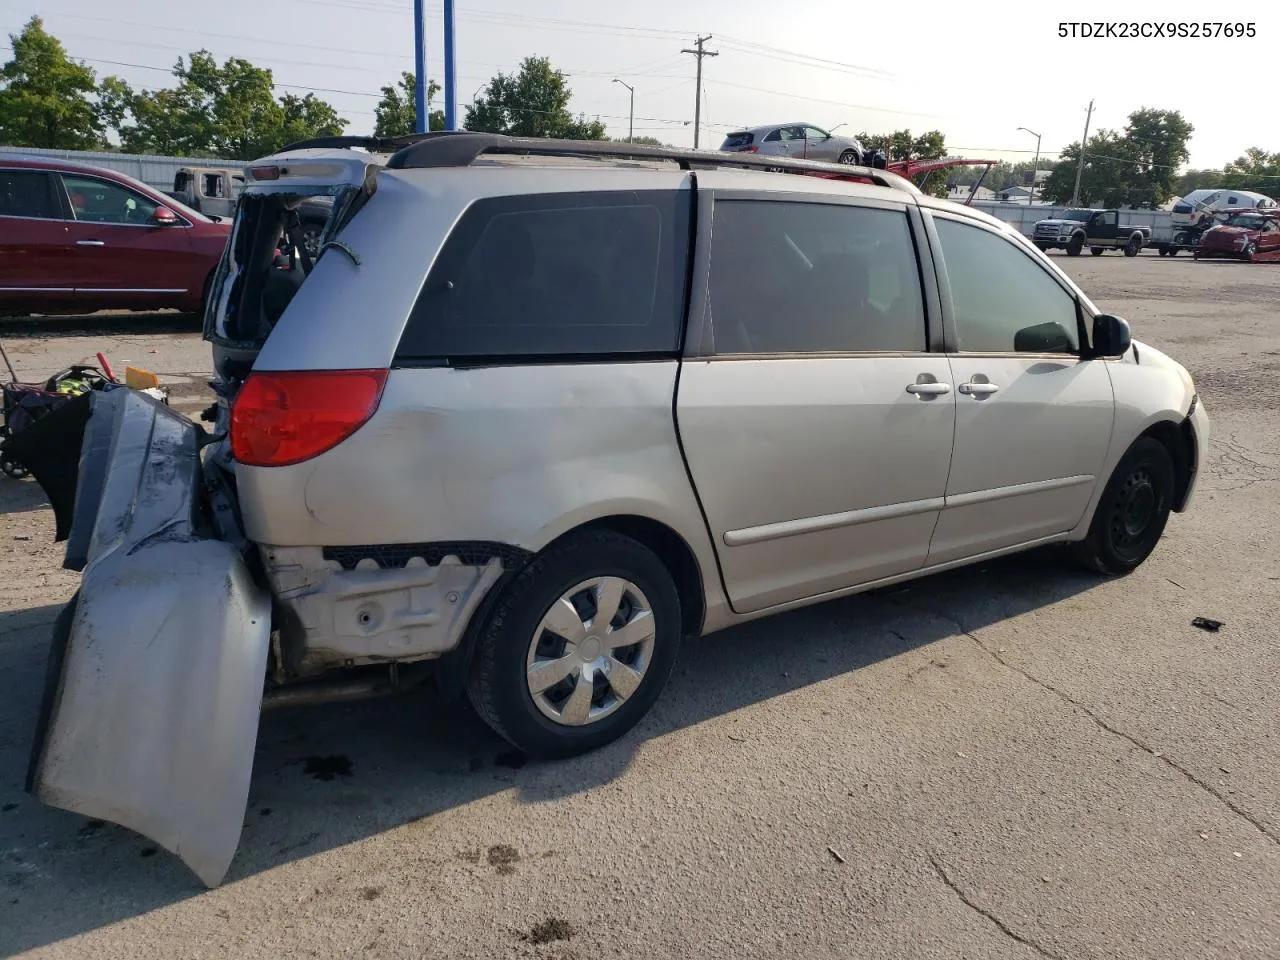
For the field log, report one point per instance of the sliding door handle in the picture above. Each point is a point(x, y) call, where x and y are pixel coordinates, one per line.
point(91, 243)
point(978, 389)
point(929, 389)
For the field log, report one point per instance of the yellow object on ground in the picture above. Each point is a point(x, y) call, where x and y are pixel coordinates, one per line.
point(139, 379)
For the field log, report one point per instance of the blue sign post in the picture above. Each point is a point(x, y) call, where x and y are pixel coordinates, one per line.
point(450, 94)
point(420, 62)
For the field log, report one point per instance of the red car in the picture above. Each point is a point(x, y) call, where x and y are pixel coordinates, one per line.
point(1247, 235)
point(76, 239)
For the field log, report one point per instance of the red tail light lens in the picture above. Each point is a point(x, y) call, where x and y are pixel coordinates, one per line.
point(282, 418)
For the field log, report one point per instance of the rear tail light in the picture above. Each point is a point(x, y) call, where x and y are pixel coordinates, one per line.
point(279, 419)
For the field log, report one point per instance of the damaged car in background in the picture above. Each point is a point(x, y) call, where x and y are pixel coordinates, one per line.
point(524, 422)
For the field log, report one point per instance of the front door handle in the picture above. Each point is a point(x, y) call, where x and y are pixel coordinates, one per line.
point(91, 243)
point(929, 389)
point(978, 388)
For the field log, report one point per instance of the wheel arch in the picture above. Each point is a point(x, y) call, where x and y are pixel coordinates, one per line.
point(1176, 437)
point(672, 549)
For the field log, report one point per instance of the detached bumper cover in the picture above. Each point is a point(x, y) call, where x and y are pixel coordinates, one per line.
point(152, 720)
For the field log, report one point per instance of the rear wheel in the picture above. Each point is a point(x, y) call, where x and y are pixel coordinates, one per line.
point(579, 646)
point(1096, 251)
point(1132, 247)
point(1042, 247)
point(11, 467)
point(1133, 511)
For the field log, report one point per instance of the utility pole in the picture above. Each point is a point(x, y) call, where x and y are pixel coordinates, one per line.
point(420, 66)
point(1075, 194)
point(631, 125)
point(697, 96)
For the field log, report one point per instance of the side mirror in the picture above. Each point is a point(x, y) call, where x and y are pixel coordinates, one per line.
point(1111, 337)
point(164, 217)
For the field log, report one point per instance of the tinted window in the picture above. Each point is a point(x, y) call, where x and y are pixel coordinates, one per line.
point(736, 141)
point(1004, 302)
point(813, 278)
point(557, 275)
point(27, 194)
point(100, 201)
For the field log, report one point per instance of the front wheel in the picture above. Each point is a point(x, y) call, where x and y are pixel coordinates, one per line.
point(1075, 246)
point(849, 157)
point(579, 646)
point(1133, 511)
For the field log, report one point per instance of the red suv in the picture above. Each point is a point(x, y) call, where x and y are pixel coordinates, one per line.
point(76, 239)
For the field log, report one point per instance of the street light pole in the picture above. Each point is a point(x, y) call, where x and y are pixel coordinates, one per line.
point(631, 125)
point(1084, 141)
point(1035, 166)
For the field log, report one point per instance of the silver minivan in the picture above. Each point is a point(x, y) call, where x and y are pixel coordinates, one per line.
point(540, 411)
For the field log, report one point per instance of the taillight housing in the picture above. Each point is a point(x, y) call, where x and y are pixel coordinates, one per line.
point(278, 419)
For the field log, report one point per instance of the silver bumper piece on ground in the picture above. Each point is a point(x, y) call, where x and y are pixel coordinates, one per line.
point(152, 719)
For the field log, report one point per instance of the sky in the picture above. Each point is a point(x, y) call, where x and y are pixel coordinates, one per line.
point(977, 72)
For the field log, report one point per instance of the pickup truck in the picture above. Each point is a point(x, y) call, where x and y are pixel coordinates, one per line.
point(1099, 230)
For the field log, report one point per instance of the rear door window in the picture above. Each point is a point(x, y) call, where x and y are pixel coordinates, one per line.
point(790, 278)
point(557, 275)
point(29, 194)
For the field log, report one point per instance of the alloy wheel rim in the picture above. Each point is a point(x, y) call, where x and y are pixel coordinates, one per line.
point(590, 651)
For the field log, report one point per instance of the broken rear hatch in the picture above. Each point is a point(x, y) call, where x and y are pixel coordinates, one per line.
point(159, 663)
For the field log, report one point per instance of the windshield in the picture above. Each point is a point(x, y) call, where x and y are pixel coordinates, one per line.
point(1246, 221)
point(1081, 215)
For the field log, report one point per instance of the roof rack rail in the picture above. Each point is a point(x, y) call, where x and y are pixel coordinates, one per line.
point(462, 148)
point(372, 144)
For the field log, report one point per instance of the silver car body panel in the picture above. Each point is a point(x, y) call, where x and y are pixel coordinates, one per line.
point(155, 715)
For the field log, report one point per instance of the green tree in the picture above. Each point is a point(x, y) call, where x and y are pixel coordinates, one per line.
point(1158, 148)
point(397, 112)
point(227, 110)
point(45, 97)
point(1136, 167)
point(901, 145)
point(1198, 180)
point(533, 102)
point(642, 141)
point(306, 118)
point(1257, 170)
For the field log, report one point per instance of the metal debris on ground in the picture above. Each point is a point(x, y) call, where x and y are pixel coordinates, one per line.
point(1204, 623)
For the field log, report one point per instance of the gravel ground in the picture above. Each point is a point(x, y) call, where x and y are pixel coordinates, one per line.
point(1015, 760)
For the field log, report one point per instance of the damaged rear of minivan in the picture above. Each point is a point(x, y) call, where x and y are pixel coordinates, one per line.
point(161, 661)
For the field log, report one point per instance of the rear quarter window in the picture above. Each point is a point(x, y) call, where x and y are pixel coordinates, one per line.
point(557, 275)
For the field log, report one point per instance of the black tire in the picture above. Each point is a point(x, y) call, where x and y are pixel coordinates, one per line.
point(1075, 246)
point(1042, 247)
point(1097, 251)
point(1132, 512)
point(850, 157)
point(1173, 251)
point(1132, 248)
point(498, 686)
